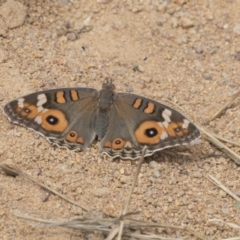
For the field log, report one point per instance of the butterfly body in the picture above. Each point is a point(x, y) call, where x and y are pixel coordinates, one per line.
point(123, 122)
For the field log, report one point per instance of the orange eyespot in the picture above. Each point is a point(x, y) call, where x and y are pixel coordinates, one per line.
point(118, 143)
point(175, 129)
point(54, 120)
point(29, 111)
point(149, 132)
point(71, 136)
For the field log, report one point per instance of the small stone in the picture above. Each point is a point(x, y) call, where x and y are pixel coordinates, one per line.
point(186, 23)
point(13, 13)
point(209, 16)
point(236, 56)
point(124, 179)
point(225, 26)
point(122, 170)
point(222, 194)
point(236, 28)
point(225, 210)
point(38, 171)
point(196, 174)
point(104, 1)
point(199, 49)
point(162, 8)
point(180, 2)
point(208, 77)
point(71, 36)
point(182, 39)
point(62, 3)
point(174, 22)
point(3, 27)
point(44, 196)
point(148, 192)
point(138, 68)
point(3, 55)
point(99, 192)
point(156, 174)
point(153, 164)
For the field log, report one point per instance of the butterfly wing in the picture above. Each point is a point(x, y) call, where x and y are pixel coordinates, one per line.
point(136, 121)
point(64, 116)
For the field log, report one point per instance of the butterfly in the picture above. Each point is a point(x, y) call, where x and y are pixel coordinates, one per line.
point(124, 123)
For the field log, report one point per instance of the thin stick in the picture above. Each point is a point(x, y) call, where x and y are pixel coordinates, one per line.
point(14, 172)
point(235, 157)
point(220, 185)
point(226, 140)
point(101, 226)
point(130, 193)
point(224, 107)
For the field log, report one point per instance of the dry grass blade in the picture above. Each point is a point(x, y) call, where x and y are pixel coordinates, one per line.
point(130, 193)
point(231, 154)
point(224, 107)
point(220, 185)
point(105, 226)
point(234, 238)
point(230, 224)
point(14, 172)
point(226, 140)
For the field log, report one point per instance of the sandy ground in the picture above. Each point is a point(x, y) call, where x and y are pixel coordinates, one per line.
point(182, 51)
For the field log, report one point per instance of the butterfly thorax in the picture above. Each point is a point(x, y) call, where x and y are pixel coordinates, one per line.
point(106, 96)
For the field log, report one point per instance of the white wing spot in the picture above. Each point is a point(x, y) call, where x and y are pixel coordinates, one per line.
point(165, 124)
point(185, 123)
point(41, 100)
point(166, 115)
point(163, 135)
point(128, 145)
point(38, 119)
point(195, 141)
point(20, 102)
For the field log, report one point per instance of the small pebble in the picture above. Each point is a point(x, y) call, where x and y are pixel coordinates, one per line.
point(186, 23)
point(156, 174)
point(44, 196)
point(138, 68)
point(99, 192)
point(71, 36)
point(208, 77)
point(198, 49)
point(62, 2)
point(104, 1)
point(236, 28)
point(196, 174)
point(237, 56)
point(153, 164)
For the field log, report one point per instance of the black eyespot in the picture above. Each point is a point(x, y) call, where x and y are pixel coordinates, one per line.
point(118, 142)
point(52, 120)
point(72, 134)
point(178, 129)
point(151, 132)
point(26, 110)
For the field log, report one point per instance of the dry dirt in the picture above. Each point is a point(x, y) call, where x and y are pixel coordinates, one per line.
point(184, 51)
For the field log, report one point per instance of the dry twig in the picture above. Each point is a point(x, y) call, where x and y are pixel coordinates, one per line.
point(14, 172)
point(211, 138)
point(224, 107)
